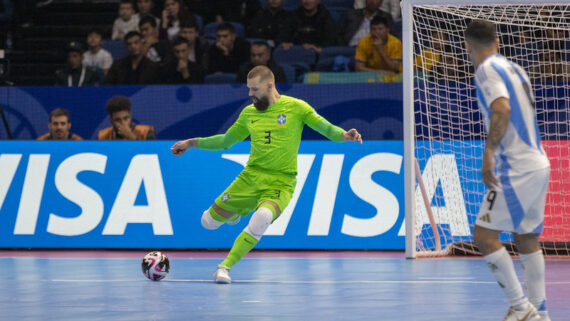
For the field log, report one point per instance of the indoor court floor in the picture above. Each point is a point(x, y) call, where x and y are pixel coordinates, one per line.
point(312, 286)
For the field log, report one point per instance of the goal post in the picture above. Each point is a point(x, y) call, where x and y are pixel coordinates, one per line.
point(444, 131)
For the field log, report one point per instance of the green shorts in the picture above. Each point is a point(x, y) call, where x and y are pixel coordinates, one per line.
point(252, 187)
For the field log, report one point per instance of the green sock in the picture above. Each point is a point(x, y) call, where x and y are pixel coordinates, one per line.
point(243, 244)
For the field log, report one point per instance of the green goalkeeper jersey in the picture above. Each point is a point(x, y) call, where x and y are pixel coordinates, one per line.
point(275, 134)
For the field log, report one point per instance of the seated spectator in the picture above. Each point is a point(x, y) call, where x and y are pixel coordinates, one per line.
point(311, 26)
point(393, 8)
point(119, 110)
point(146, 8)
point(181, 70)
point(174, 13)
point(198, 46)
point(59, 126)
point(431, 57)
point(270, 24)
point(261, 56)
point(156, 50)
point(134, 69)
point(126, 22)
point(96, 56)
point(75, 72)
point(379, 51)
point(356, 23)
point(229, 52)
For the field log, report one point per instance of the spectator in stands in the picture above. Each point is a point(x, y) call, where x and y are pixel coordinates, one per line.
point(451, 67)
point(389, 6)
point(379, 51)
point(97, 57)
point(430, 57)
point(198, 46)
point(270, 24)
point(76, 73)
point(59, 126)
point(119, 110)
point(174, 13)
point(156, 50)
point(229, 52)
point(146, 8)
point(134, 69)
point(261, 56)
point(311, 26)
point(356, 23)
point(181, 70)
point(127, 20)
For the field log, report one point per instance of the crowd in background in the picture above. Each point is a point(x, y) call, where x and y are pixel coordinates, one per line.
point(167, 44)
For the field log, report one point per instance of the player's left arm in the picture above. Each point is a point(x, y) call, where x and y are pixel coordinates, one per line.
point(500, 117)
point(330, 131)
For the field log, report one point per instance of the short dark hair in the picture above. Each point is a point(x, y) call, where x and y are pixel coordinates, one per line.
point(379, 20)
point(127, 1)
point(180, 40)
point(189, 23)
point(97, 31)
point(118, 103)
point(261, 43)
point(480, 32)
point(147, 19)
point(226, 26)
point(131, 34)
point(59, 112)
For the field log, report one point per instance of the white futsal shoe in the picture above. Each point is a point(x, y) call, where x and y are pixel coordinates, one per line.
point(525, 313)
point(543, 316)
point(234, 222)
point(222, 275)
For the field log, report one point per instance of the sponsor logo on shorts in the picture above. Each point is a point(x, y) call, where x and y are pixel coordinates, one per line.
point(485, 218)
point(225, 197)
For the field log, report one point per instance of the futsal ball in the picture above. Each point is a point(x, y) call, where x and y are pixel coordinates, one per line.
point(155, 266)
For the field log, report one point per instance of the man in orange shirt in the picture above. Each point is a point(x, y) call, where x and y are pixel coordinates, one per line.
point(59, 125)
point(379, 51)
point(119, 109)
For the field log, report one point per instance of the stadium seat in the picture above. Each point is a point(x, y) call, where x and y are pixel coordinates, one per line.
point(116, 48)
point(290, 73)
point(223, 78)
point(210, 29)
point(397, 29)
point(199, 21)
point(295, 55)
point(337, 14)
point(331, 52)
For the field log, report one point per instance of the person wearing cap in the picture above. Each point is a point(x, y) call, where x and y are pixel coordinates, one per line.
point(75, 73)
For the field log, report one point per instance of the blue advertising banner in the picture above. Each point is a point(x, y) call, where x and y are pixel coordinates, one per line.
point(137, 195)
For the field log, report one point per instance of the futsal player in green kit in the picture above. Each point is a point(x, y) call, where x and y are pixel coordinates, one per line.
point(275, 123)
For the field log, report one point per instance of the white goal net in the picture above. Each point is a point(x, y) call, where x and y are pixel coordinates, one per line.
point(449, 133)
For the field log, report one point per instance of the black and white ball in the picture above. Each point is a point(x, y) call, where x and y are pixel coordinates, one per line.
point(155, 266)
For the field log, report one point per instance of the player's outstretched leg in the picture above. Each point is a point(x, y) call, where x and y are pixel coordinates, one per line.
point(259, 222)
point(501, 265)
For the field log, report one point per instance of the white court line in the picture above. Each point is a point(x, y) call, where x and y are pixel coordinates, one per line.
point(304, 282)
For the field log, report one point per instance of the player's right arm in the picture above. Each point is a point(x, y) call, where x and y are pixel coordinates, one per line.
point(234, 134)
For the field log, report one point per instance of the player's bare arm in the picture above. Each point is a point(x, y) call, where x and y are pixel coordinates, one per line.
point(182, 146)
point(501, 113)
point(352, 135)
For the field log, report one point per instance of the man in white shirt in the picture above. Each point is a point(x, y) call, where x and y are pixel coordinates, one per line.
point(96, 56)
point(126, 22)
point(516, 197)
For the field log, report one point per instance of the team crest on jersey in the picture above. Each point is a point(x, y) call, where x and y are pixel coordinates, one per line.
point(225, 197)
point(282, 121)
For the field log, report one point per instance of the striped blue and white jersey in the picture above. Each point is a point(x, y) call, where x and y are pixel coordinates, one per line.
point(520, 148)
